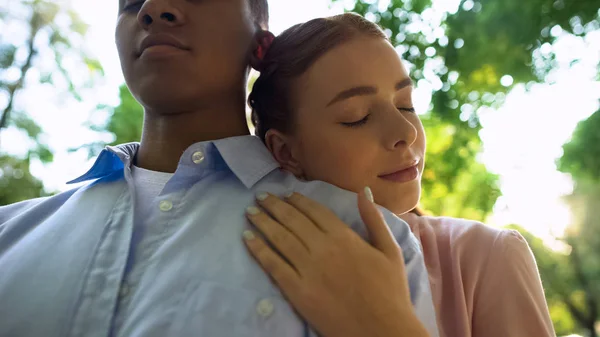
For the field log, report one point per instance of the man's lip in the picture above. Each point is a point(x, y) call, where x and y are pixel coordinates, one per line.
point(402, 168)
point(160, 40)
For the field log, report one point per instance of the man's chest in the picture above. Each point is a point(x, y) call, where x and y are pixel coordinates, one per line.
point(183, 271)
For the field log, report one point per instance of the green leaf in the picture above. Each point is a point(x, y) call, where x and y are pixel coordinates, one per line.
point(43, 153)
point(26, 124)
point(94, 65)
point(7, 55)
point(581, 155)
point(46, 78)
point(77, 24)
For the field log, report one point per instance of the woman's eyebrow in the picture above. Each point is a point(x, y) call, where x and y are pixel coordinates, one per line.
point(352, 92)
point(404, 83)
point(365, 90)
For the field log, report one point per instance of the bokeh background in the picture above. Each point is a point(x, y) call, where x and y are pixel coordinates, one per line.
point(508, 91)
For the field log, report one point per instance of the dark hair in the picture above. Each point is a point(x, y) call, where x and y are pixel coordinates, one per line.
point(260, 11)
point(289, 56)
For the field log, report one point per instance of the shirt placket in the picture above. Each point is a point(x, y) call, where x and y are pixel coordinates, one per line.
point(160, 226)
point(94, 314)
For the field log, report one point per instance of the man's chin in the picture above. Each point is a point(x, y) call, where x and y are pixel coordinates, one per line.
point(165, 97)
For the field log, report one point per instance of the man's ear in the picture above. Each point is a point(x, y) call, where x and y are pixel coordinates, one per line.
point(282, 150)
point(260, 46)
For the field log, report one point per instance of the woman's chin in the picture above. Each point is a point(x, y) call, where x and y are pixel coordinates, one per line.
point(400, 201)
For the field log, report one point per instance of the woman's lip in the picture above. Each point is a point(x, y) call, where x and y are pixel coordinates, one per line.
point(402, 176)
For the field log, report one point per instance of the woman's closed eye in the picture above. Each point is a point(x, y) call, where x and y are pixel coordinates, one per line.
point(365, 119)
point(357, 123)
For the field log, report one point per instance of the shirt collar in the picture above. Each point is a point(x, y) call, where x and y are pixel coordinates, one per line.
point(110, 160)
point(246, 156)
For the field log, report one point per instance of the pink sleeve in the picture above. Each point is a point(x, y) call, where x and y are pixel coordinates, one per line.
point(510, 300)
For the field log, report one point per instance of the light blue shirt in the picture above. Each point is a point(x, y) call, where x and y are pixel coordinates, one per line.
point(79, 264)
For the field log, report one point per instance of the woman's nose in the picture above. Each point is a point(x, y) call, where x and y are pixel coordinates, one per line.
point(401, 131)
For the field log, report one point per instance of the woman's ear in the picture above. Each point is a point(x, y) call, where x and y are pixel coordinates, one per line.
point(281, 148)
point(260, 46)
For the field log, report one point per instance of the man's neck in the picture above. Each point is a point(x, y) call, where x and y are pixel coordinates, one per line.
point(166, 136)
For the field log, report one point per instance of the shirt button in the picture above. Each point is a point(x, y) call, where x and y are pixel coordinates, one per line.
point(198, 157)
point(165, 205)
point(265, 308)
point(124, 291)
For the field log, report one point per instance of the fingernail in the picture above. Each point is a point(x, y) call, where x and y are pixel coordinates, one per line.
point(249, 235)
point(369, 194)
point(252, 210)
point(288, 194)
point(262, 196)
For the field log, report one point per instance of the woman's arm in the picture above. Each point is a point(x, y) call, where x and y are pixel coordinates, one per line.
point(510, 299)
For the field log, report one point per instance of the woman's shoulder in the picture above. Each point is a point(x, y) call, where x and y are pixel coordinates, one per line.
point(456, 230)
point(471, 244)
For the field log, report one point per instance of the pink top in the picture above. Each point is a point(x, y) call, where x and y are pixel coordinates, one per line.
point(484, 281)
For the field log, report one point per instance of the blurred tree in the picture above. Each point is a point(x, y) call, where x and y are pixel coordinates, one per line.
point(54, 32)
point(471, 58)
point(581, 155)
point(124, 122)
point(571, 279)
point(16, 182)
point(562, 287)
point(581, 160)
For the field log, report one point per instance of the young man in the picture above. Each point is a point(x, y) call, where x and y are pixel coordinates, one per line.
point(152, 246)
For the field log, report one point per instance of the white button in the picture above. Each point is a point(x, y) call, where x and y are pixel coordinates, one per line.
point(198, 157)
point(265, 308)
point(165, 205)
point(124, 291)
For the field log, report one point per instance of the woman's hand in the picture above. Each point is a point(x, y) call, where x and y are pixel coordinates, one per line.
point(338, 282)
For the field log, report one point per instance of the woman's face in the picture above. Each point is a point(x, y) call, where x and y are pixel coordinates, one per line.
point(355, 125)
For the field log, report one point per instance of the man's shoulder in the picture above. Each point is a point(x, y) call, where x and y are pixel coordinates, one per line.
point(12, 210)
point(343, 203)
point(40, 208)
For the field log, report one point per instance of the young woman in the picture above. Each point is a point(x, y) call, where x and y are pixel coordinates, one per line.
point(333, 103)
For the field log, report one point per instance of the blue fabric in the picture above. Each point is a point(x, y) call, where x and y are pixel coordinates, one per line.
point(79, 264)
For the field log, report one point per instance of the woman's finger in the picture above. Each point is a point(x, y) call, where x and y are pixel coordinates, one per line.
point(280, 237)
point(280, 271)
point(290, 217)
point(380, 235)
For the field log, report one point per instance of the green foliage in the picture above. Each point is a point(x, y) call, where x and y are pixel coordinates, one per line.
point(581, 159)
point(7, 55)
point(16, 181)
point(124, 122)
point(60, 29)
point(127, 119)
point(581, 156)
point(571, 280)
point(454, 183)
point(41, 22)
point(465, 56)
